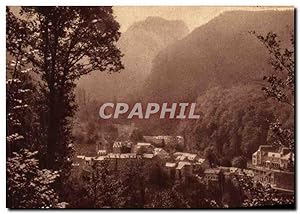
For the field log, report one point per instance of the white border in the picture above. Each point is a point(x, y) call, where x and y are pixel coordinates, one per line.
point(116, 3)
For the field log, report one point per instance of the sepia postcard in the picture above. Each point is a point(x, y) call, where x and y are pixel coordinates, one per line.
point(164, 107)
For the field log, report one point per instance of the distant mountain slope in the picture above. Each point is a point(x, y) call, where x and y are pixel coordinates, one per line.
point(139, 44)
point(221, 67)
point(221, 52)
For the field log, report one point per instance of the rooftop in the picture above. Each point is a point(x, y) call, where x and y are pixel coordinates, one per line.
point(117, 144)
point(212, 171)
point(101, 151)
point(148, 156)
point(288, 156)
point(143, 144)
point(168, 164)
point(184, 155)
point(100, 158)
point(181, 164)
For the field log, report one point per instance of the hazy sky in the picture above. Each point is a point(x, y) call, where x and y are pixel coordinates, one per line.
point(193, 16)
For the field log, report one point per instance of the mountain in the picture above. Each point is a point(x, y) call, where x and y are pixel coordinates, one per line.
point(139, 44)
point(219, 53)
point(220, 66)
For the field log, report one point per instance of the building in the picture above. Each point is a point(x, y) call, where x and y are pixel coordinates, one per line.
point(164, 139)
point(270, 157)
point(117, 147)
point(178, 170)
point(148, 156)
point(181, 156)
point(161, 153)
point(271, 166)
point(101, 152)
point(170, 169)
point(142, 147)
point(183, 170)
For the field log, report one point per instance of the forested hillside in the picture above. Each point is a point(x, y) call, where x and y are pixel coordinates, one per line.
point(221, 66)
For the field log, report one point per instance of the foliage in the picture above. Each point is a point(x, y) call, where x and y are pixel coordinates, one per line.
point(65, 43)
point(258, 195)
point(28, 186)
point(281, 87)
point(235, 122)
point(239, 162)
point(281, 83)
point(103, 188)
point(137, 136)
point(139, 184)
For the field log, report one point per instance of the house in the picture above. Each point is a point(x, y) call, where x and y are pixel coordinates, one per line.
point(178, 170)
point(101, 152)
point(161, 153)
point(117, 147)
point(287, 159)
point(181, 156)
point(148, 156)
point(271, 166)
point(183, 170)
point(100, 158)
point(170, 169)
point(271, 157)
point(142, 147)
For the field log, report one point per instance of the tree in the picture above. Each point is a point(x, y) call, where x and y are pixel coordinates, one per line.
point(134, 183)
point(281, 83)
point(20, 95)
point(211, 156)
point(258, 195)
point(103, 186)
point(136, 136)
point(195, 194)
point(28, 186)
point(281, 88)
point(65, 43)
point(239, 162)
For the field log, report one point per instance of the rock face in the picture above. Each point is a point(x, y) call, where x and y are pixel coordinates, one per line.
point(139, 44)
point(221, 52)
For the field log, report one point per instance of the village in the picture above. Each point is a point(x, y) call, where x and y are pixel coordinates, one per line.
point(269, 165)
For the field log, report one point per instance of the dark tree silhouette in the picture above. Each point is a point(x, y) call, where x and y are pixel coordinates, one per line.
point(281, 83)
point(28, 185)
point(281, 87)
point(65, 43)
